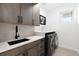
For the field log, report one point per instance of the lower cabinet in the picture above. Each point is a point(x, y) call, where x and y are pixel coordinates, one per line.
point(35, 48)
point(24, 53)
point(33, 51)
point(12, 52)
point(42, 47)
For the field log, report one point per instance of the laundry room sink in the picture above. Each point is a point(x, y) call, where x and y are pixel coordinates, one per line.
point(18, 41)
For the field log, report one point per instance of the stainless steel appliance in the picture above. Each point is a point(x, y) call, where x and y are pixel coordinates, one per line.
point(51, 43)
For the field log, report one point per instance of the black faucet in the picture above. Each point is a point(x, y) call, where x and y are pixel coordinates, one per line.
point(16, 32)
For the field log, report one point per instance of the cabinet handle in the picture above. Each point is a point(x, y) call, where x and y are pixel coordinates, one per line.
point(20, 19)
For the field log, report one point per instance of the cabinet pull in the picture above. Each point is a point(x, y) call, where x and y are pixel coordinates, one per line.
point(20, 19)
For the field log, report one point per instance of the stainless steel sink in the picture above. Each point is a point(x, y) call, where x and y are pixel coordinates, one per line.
point(18, 41)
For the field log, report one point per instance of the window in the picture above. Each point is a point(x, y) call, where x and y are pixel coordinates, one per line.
point(67, 17)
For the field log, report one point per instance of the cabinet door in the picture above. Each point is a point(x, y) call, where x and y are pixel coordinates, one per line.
point(33, 51)
point(36, 14)
point(42, 47)
point(23, 53)
point(26, 13)
point(9, 12)
point(12, 52)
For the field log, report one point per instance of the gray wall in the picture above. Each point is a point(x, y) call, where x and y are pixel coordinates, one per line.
point(7, 31)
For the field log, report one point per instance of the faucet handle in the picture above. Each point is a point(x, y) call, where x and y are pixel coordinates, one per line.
point(16, 36)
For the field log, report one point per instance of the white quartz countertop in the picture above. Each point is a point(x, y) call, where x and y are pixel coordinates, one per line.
point(4, 46)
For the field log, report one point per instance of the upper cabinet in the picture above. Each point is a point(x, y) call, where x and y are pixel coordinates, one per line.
point(20, 13)
point(36, 14)
point(26, 13)
point(9, 12)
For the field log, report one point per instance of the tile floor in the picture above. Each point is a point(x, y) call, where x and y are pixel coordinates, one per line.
point(65, 52)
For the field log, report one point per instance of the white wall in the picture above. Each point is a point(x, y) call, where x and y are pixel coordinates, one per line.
point(68, 32)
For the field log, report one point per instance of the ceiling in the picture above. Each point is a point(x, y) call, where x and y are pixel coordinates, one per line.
point(48, 7)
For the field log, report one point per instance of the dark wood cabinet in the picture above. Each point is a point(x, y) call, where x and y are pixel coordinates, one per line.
point(22, 53)
point(30, 13)
point(20, 13)
point(9, 12)
point(36, 14)
point(26, 13)
point(33, 51)
point(42, 47)
point(35, 48)
point(12, 52)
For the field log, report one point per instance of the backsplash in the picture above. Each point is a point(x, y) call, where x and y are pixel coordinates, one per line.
point(7, 31)
point(25, 30)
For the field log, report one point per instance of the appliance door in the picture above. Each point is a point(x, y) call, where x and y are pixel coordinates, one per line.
point(56, 42)
point(50, 45)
